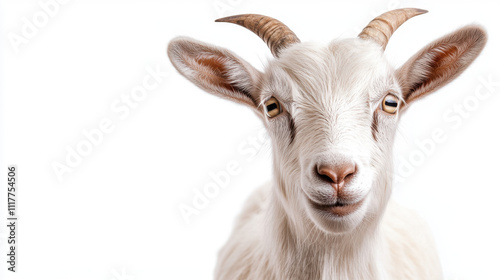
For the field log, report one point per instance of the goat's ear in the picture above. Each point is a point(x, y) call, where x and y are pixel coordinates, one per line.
point(215, 70)
point(440, 62)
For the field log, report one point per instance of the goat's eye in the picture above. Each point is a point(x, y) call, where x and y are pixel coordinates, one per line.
point(273, 107)
point(390, 104)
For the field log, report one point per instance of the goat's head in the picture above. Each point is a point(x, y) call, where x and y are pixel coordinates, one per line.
point(331, 111)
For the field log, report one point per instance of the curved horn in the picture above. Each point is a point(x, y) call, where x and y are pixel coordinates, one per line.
point(275, 33)
point(382, 27)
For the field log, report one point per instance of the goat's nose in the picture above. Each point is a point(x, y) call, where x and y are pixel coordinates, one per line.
point(338, 174)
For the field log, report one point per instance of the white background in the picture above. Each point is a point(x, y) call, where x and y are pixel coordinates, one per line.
point(116, 214)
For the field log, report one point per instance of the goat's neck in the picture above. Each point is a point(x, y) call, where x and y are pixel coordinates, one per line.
point(300, 250)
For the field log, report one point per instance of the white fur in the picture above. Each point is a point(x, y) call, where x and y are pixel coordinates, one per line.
point(332, 94)
point(331, 98)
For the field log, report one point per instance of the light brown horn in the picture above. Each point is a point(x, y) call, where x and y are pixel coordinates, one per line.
point(275, 34)
point(382, 27)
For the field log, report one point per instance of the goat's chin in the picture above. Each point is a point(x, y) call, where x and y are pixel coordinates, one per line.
point(332, 223)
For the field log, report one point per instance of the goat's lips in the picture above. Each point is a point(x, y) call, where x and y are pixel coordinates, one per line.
point(339, 209)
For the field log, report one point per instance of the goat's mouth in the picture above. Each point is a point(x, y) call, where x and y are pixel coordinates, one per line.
point(338, 209)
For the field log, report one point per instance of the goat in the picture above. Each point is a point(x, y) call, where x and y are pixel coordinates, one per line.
point(331, 113)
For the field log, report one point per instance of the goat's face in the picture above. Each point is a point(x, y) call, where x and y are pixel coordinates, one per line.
point(331, 130)
point(331, 111)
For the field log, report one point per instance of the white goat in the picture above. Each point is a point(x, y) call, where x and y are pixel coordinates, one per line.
point(331, 112)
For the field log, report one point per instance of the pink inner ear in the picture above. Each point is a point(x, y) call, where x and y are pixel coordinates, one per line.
point(444, 61)
point(437, 65)
point(440, 62)
point(213, 71)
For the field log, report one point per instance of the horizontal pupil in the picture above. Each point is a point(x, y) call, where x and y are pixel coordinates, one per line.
point(391, 103)
point(271, 107)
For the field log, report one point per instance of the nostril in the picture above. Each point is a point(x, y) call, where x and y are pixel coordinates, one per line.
point(325, 177)
point(327, 174)
point(336, 174)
